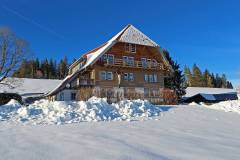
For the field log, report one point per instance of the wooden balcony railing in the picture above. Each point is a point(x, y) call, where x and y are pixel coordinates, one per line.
point(86, 82)
point(135, 64)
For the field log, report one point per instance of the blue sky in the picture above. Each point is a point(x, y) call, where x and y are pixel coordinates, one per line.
point(203, 32)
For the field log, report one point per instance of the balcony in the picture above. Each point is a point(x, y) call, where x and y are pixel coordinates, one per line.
point(86, 82)
point(135, 64)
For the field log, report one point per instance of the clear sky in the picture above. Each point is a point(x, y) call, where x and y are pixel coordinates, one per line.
point(205, 32)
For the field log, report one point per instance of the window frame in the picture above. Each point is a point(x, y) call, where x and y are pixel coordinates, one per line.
point(111, 77)
point(61, 96)
point(73, 93)
point(150, 78)
point(133, 48)
point(127, 47)
point(146, 79)
point(131, 61)
point(144, 62)
point(101, 75)
point(132, 76)
point(104, 57)
point(154, 61)
point(130, 47)
point(108, 59)
point(125, 60)
point(125, 76)
point(155, 78)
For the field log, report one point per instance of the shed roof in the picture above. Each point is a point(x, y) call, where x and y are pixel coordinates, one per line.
point(192, 91)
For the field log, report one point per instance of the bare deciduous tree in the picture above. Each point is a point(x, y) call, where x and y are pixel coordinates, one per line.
point(13, 50)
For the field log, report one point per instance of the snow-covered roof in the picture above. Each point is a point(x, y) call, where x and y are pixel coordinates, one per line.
point(28, 86)
point(209, 97)
point(207, 92)
point(129, 34)
point(133, 35)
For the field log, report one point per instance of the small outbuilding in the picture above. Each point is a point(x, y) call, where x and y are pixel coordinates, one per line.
point(209, 95)
point(25, 88)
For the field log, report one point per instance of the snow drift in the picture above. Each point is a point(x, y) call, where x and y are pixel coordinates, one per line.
point(227, 106)
point(95, 109)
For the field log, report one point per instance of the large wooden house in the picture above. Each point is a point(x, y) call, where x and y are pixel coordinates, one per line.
point(128, 66)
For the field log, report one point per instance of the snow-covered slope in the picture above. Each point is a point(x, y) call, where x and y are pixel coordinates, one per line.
point(184, 132)
point(28, 86)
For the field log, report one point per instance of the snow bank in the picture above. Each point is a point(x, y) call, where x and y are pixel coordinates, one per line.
point(227, 106)
point(95, 109)
point(9, 109)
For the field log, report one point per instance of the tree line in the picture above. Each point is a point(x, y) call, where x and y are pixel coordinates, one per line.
point(45, 69)
point(196, 78)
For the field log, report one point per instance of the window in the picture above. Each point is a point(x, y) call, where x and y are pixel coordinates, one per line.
point(144, 62)
point(125, 77)
point(104, 57)
point(109, 76)
point(150, 77)
point(154, 62)
point(106, 75)
point(130, 77)
point(73, 96)
point(133, 48)
point(155, 78)
point(130, 48)
point(127, 47)
point(146, 92)
point(146, 78)
point(125, 60)
point(110, 59)
point(149, 62)
point(103, 75)
point(61, 96)
point(130, 61)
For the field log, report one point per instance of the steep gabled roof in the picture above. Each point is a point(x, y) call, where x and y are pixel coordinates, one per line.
point(133, 35)
point(129, 34)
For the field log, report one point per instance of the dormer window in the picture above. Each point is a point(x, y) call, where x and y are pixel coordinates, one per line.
point(130, 48)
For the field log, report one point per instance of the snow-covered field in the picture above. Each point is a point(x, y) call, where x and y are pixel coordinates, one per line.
point(171, 132)
point(187, 133)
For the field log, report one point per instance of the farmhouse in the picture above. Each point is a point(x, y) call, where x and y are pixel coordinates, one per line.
point(128, 66)
point(209, 95)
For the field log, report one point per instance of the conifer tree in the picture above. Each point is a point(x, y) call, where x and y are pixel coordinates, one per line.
point(224, 81)
point(229, 85)
point(188, 76)
point(176, 80)
point(197, 79)
point(207, 79)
